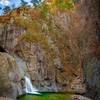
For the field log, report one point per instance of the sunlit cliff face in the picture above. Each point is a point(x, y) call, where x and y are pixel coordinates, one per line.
point(57, 45)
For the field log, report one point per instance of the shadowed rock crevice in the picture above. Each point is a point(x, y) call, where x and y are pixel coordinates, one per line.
point(2, 49)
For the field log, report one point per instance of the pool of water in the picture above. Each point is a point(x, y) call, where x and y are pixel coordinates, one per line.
point(46, 96)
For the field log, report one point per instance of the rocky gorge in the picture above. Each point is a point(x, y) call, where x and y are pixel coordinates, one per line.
point(57, 47)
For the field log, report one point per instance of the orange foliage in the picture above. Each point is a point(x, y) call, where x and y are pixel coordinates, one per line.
point(34, 14)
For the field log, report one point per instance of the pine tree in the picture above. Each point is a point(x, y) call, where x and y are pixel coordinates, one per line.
point(35, 2)
point(6, 9)
point(23, 3)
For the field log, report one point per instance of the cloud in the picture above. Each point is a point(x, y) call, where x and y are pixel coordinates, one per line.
point(30, 4)
point(5, 2)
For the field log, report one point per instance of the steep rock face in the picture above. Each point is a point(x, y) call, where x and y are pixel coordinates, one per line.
point(58, 50)
point(36, 63)
point(91, 12)
point(47, 46)
point(43, 75)
point(10, 76)
point(55, 48)
point(9, 34)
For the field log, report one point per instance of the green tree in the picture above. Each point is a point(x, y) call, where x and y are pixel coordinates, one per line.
point(35, 2)
point(6, 9)
point(23, 3)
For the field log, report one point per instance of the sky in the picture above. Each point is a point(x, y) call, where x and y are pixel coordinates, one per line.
point(16, 3)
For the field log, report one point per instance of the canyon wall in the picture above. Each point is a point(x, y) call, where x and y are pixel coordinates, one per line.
point(58, 49)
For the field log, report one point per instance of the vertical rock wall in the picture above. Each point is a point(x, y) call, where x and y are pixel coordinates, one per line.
point(91, 13)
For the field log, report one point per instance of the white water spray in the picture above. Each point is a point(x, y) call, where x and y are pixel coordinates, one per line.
point(29, 87)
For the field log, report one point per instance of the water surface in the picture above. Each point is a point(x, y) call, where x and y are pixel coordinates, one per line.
point(46, 96)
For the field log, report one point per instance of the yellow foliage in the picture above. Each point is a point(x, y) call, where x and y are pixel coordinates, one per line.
point(37, 38)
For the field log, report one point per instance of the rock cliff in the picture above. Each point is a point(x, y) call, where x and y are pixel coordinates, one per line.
point(58, 47)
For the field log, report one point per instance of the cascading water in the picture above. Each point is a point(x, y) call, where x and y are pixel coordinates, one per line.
point(28, 87)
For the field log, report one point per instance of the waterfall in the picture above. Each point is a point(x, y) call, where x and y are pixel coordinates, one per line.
point(28, 87)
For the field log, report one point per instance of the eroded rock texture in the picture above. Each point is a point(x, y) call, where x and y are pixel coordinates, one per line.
point(60, 52)
point(91, 12)
point(10, 76)
point(8, 35)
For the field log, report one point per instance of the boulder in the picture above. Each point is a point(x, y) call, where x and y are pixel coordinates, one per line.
point(10, 76)
point(79, 97)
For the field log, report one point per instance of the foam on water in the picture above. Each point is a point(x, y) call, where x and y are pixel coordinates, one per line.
point(29, 87)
